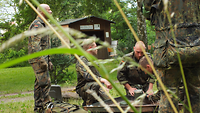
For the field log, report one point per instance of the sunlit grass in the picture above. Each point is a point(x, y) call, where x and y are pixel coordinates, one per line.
point(17, 107)
point(16, 80)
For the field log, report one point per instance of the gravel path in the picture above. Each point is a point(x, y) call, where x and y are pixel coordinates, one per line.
point(65, 92)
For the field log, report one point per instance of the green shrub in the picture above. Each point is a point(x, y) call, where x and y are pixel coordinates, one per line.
point(125, 46)
point(11, 54)
point(61, 62)
point(60, 73)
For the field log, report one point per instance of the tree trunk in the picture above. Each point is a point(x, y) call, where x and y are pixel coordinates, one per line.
point(141, 24)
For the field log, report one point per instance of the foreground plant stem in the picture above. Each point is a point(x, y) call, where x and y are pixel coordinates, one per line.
point(74, 42)
point(153, 68)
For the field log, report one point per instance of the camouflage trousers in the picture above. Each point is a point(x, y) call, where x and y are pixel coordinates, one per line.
point(89, 99)
point(41, 88)
point(172, 79)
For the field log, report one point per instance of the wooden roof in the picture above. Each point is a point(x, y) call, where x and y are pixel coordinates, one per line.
point(70, 21)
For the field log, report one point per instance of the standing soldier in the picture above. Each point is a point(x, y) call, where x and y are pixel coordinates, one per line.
point(185, 18)
point(132, 77)
point(42, 64)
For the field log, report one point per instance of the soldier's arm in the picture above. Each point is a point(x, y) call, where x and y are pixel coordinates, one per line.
point(36, 40)
point(151, 81)
point(121, 75)
point(86, 75)
point(150, 89)
point(106, 82)
point(151, 78)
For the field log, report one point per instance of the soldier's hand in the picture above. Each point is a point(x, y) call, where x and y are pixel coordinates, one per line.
point(149, 92)
point(131, 91)
point(43, 65)
point(108, 85)
point(107, 89)
point(50, 66)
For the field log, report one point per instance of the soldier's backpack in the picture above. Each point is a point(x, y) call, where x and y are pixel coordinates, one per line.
point(63, 107)
point(59, 106)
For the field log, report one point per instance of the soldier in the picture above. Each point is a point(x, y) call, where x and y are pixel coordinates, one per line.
point(185, 18)
point(85, 80)
point(153, 97)
point(42, 64)
point(134, 78)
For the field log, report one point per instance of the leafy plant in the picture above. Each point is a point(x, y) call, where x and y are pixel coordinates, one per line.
point(61, 62)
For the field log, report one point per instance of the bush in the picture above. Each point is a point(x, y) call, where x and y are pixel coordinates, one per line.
point(11, 54)
point(125, 46)
point(60, 73)
point(61, 62)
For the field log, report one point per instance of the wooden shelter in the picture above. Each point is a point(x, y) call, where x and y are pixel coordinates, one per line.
point(92, 26)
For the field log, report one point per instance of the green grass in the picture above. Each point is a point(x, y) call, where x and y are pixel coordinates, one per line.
point(17, 107)
point(21, 79)
point(109, 67)
point(16, 80)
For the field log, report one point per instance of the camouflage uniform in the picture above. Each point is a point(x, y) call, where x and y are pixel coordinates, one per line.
point(134, 76)
point(85, 81)
point(40, 66)
point(186, 20)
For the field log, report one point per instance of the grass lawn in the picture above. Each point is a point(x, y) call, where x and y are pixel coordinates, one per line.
point(16, 80)
point(17, 107)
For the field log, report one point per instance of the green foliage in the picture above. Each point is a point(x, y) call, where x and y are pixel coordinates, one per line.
point(60, 73)
point(98, 7)
point(125, 46)
point(71, 9)
point(151, 34)
point(11, 54)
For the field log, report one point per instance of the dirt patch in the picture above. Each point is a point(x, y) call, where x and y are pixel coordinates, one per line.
point(67, 92)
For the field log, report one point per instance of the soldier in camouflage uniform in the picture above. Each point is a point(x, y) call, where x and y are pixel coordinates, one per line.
point(153, 97)
point(134, 78)
point(185, 18)
point(86, 81)
point(42, 64)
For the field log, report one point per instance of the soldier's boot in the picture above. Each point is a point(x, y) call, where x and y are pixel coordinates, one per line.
point(39, 110)
point(49, 107)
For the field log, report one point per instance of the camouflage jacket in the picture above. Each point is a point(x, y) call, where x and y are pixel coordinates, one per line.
point(82, 74)
point(133, 75)
point(185, 18)
point(37, 42)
